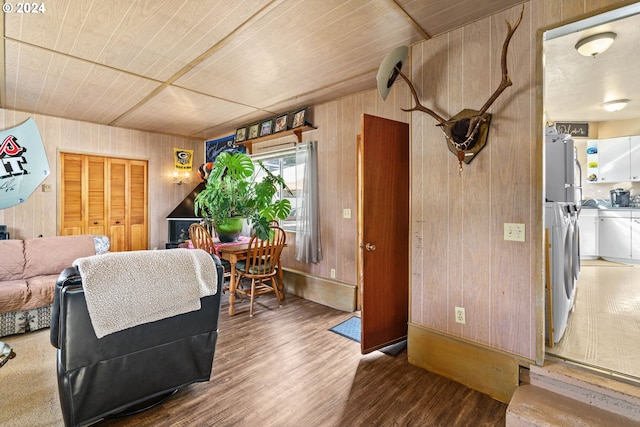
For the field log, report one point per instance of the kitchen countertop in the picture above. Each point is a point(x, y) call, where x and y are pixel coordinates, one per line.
point(630, 213)
point(604, 204)
point(605, 208)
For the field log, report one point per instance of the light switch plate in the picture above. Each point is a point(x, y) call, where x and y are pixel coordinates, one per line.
point(514, 232)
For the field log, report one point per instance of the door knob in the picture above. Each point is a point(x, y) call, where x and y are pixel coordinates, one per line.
point(370, 247)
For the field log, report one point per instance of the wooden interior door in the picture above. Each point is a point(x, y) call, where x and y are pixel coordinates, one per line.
point(137, 205)
point(117, 204)
point(96, 173)
point(383, 231)
point(71, 208)
point(108, 196)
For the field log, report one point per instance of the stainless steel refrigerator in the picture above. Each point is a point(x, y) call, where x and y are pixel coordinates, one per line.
point(562, 170)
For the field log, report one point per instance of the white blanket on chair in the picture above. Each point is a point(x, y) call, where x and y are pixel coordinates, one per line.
point(125, 289)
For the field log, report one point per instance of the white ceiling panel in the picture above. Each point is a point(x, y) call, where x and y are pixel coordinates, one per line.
point(313, 48)
point(203, 68)
point(179, 111)
point(49, 83)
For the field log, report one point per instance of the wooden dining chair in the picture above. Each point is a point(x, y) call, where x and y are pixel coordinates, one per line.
point(260, 266)
point(201, 239)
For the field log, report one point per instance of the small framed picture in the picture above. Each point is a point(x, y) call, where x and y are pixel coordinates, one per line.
point(241, 134)
point(299, 118)
point(266, 128)
point(281, 123)
point(253, 130)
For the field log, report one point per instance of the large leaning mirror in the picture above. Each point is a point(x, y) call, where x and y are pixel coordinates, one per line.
point(601, 304)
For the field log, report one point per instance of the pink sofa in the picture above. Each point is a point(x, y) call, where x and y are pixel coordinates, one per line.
point(28, 273)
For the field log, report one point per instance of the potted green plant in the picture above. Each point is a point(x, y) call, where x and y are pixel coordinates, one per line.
point(232, 194)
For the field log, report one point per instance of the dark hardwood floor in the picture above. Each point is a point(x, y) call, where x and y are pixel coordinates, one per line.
point(285, 368)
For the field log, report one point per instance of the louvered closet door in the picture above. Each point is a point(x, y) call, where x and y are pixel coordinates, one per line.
point(71, 214)
point(95, 176)
point(138, 205)
point(118, 180)
point(103, 195)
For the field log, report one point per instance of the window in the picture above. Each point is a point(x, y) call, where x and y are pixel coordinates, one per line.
point(283, 163)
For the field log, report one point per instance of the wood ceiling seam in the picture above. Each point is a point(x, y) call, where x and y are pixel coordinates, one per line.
point(410, 19)
point(67, 55)
point(206, 54)
point(266, 34)
point(343, 81)
point(271, 111)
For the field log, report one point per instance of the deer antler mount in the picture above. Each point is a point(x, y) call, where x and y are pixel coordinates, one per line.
point(466, 132)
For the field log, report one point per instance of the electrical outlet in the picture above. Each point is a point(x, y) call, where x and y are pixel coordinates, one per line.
point(514, 232)
point(346, 213)
point(333, 273)
point(460, 317)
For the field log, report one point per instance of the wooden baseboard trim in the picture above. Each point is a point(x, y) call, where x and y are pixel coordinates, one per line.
point(338, 295)
point(492, 372)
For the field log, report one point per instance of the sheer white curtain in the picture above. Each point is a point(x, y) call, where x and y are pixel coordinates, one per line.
point(308, 245)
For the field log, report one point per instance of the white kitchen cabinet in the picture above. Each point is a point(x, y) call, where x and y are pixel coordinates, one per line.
point(588, 223)
point(634, 157)
point(614, 164)
point(614, 235)
point(635, 236)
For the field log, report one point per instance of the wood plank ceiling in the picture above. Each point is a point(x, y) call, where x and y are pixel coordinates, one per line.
point(203, 68)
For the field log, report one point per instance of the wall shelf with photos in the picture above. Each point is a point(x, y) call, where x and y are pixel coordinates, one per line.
point(280, 126)
point(297, 132)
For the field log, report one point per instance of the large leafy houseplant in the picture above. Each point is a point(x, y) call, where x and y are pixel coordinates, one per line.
point(232, 192)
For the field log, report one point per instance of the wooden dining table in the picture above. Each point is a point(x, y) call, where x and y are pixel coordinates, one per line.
point(238, 251)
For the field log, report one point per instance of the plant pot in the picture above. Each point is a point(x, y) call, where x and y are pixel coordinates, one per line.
point(229, 230)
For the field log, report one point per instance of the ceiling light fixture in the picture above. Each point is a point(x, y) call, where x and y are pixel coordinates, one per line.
point(616, 105)
point(595, 44)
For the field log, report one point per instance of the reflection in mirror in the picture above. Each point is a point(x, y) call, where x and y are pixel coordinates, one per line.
point(602, 311)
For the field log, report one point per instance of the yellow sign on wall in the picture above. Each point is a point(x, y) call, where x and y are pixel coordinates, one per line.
point(183, 159)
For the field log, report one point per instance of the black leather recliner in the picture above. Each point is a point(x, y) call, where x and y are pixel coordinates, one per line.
point(130, 369)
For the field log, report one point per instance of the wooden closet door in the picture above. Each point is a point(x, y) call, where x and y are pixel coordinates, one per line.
point(95, 172)
point(117, 200)
point(138, 205)
point(71, 213)
point(108, 196)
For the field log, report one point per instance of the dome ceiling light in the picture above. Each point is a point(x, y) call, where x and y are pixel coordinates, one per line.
point(595, 44)
point(616, 105)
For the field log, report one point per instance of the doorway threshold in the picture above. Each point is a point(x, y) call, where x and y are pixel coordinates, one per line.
point(594, 370)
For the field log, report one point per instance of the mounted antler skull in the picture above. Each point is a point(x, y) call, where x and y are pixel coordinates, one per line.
point(466, 132)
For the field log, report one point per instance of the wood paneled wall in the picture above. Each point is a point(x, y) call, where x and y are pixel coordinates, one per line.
point(459, 257)
point(38, 215)
point(338, 124)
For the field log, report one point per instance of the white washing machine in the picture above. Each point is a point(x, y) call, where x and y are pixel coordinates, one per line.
point(558, 219)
